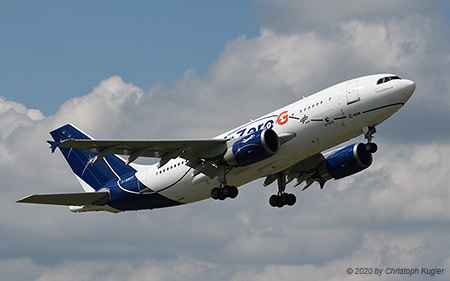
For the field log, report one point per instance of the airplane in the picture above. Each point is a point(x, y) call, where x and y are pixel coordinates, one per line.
point(288, 144)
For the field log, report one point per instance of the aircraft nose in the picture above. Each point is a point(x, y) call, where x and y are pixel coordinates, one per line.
point(407, 89)
point(410, 86)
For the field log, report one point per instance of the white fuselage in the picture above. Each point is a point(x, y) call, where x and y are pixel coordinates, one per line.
point(319, 121)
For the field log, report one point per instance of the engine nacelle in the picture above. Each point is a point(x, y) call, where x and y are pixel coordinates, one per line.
point(348, 161)
point(252, 148)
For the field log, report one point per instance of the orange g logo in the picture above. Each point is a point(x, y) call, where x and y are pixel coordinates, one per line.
point(282, 118)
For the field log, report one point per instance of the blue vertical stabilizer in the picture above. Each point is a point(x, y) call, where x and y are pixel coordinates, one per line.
point(97, 174)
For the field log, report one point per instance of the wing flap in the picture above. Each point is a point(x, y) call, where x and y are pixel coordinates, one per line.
point(308, 170)
point(68, 199)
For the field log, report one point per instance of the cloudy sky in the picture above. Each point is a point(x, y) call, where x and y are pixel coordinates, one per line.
point(184, 69)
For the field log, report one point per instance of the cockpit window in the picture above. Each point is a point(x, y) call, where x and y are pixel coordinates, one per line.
point(387, 79)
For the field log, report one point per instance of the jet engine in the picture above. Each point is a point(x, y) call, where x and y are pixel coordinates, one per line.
point(347, 161)
point(252, 148)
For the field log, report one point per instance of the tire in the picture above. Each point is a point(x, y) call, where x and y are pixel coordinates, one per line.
point(234, 192)
point(291, 199)
point(373, 148)
point(284, 198)
point(273, 200)
point(226, 190)
point(216, 193)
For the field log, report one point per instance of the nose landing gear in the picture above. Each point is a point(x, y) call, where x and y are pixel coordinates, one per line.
point(368, 134)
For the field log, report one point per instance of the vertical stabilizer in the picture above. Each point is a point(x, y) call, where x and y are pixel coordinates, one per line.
point(92, 175)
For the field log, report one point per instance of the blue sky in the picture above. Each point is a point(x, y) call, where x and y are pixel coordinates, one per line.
point(48, 46)
point(194, 69)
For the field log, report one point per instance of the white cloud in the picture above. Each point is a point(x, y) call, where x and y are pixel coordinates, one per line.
point(415, 189)
point(14, 115)
point(19, 269)
point(103, 110)
point(377, 250)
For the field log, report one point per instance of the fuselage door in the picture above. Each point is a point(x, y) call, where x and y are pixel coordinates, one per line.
point(352, 92)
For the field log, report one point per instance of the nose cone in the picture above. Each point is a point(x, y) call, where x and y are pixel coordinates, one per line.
point(406, 89)
point(410, 86)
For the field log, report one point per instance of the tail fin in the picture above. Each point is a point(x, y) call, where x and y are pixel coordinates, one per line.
point(92, 176)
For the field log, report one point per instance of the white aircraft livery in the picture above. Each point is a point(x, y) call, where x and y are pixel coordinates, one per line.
point(283, 146)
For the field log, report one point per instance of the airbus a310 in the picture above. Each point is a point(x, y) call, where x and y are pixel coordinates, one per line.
point(285, 145)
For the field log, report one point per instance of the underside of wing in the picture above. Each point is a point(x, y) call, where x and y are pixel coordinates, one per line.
point(308, 170)
point(321, 167)
point(68, 199)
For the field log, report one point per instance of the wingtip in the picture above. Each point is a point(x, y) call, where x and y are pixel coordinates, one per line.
point(23, 200)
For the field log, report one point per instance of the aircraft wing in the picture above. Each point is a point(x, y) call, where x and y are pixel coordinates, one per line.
point(201, 153)
point(165, 149)
point(69, 199)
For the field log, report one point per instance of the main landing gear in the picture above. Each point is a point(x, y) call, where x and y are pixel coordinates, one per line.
point(368, 134)
point(225, 190)
point(282, 199)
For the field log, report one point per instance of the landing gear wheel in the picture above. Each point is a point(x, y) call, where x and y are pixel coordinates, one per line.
point(280, 203)
point(273, 200)
point(226, 190)
point(284, 199)
point(371, 147)
point(291, 199)
point(222, 196)
point(234, 192)
point(216, 193)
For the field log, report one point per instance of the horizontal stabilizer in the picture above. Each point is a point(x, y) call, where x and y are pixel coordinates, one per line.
point(69, 199)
